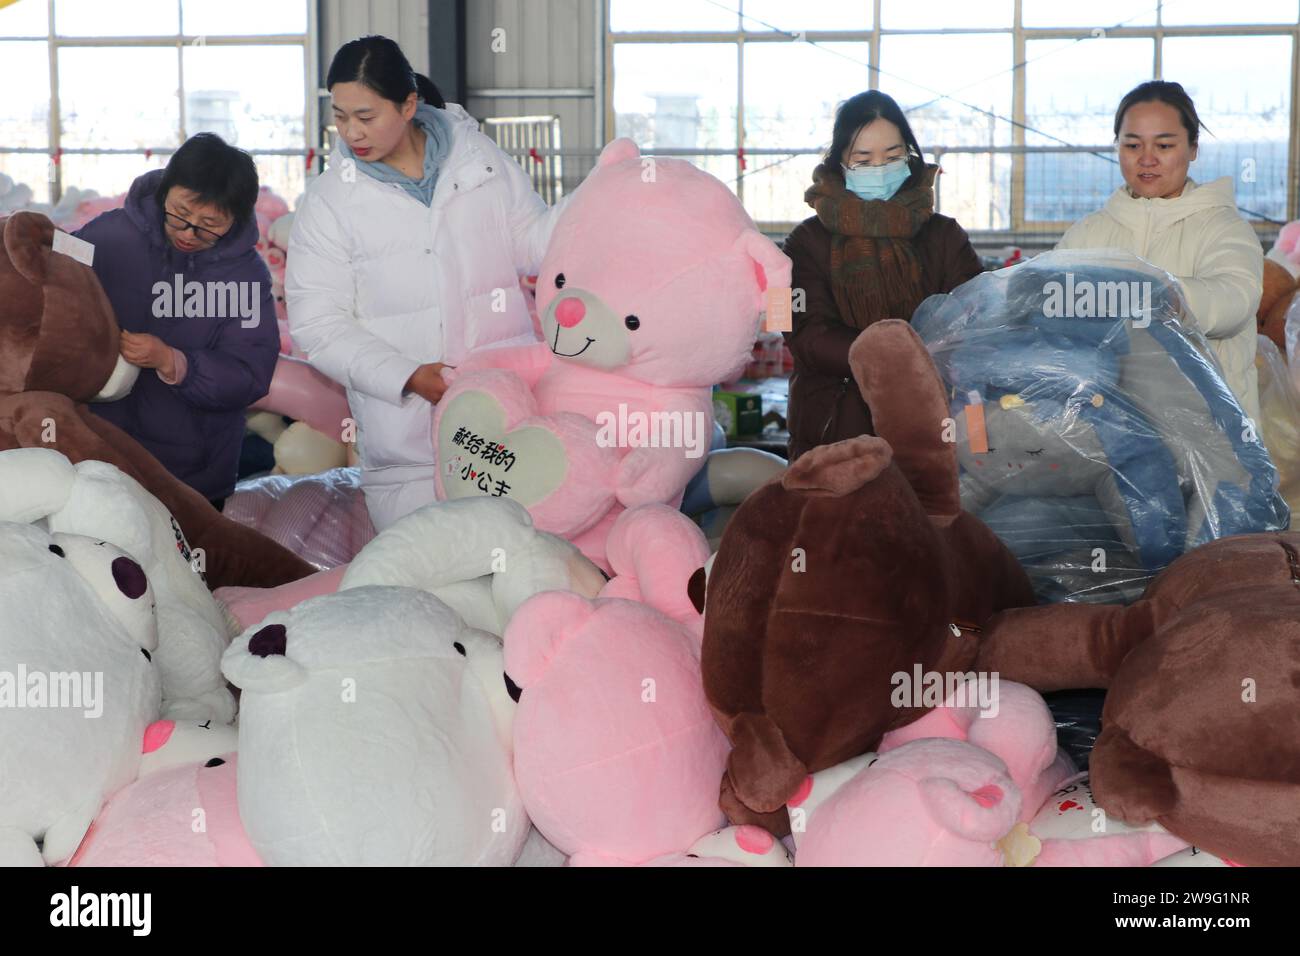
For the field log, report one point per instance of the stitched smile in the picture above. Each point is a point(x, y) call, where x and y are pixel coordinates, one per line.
point(556, 347)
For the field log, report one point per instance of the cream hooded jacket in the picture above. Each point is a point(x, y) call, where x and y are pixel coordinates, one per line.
point(1200, 238)
point(378, 284)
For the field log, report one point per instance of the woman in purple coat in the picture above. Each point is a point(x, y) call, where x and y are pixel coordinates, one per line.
point(193, 299)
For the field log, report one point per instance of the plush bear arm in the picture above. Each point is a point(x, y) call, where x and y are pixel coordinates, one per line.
point(909, 406)
point(1063, 646)
point(526, 361)
point(232, 554)
point(651, 475)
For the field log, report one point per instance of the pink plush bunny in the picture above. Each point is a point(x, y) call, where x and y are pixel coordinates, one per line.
point(966, 786)
point(933, 802)
point(1016, 727)
point(1073, 831)
point(182, 811)
point(650, 293)
point(617, 755)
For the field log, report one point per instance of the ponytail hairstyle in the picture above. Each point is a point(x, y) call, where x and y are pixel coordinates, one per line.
point(380, 64)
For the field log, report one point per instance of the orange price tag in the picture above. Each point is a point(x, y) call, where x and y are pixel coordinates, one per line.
point(975, 430)
point(779, 315)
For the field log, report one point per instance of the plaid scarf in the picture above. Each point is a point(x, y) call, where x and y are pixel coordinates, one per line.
point(875, 272)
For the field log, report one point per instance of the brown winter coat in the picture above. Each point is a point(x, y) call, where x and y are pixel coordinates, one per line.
point(824, 405)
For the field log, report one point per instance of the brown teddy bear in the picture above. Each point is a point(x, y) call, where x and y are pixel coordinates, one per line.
point(1201, 725)
point(58, 349)
point(855, 565)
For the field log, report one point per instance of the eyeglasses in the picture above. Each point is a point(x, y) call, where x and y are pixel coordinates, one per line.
point(869, 165)
point(180, 225)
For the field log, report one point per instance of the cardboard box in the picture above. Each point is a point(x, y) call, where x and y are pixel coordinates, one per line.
point(739, 413)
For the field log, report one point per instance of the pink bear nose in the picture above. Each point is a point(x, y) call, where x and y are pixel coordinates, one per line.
point(570, 312)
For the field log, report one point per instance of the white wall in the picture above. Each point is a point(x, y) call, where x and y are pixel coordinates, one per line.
point(406, 21)
point(548, 44)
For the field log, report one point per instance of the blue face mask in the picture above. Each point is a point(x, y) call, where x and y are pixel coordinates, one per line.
point(876, 182)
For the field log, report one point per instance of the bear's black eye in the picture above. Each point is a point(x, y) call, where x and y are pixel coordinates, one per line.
point(559, 280)
point(460, 648)
point(146, 654)
point(513, 689)
point(632, 322)
point(55, 549)
point(214, 762)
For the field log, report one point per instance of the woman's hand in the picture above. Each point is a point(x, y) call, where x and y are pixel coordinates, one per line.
point(148, 351)
point(427, 382)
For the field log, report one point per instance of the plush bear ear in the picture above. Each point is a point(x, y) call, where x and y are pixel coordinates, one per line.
point(539, 627)
point(764, 772)
point(257, 660)
point(617, 150)
point(772, 267)
point(909, 409)
point(29, 240)
point(840, 468)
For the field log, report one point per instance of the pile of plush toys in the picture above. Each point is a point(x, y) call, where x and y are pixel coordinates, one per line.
point(1094, 432)
point(555, 665)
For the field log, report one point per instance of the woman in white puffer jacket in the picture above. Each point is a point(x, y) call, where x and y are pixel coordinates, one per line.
point(1192, 231)
point(405, 254)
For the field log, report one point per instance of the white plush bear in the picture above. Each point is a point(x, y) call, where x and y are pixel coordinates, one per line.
point(375, 729)
point(482, 556)
point(96, 499)
point(78, 686)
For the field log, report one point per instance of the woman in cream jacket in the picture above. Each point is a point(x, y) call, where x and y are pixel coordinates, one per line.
point(1190, 230)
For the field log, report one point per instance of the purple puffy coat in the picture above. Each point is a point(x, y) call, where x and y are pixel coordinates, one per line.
point(195, 428)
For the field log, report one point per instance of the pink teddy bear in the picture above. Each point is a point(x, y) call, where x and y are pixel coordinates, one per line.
point(650, 293)
point(617, 755)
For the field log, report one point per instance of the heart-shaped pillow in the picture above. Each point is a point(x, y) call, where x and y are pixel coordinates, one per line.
point(492, 442)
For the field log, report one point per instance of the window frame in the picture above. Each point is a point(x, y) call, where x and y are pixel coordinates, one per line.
point(1018, 226)
point(178, 41)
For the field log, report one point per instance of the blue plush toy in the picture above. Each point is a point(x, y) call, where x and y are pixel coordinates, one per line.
point(1093, 434)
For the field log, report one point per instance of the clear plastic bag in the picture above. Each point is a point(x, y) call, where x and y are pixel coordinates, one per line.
point(321, 518)
point(1094, 430)
point(1279, 409)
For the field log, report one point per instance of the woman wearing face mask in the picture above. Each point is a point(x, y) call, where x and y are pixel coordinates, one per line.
point(405, 254)
point(1192, 231)
point(874, 250)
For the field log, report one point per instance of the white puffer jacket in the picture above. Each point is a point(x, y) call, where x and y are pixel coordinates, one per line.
point(378, 284)
point(1200, 238)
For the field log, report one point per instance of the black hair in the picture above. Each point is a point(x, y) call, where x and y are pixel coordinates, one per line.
point(217, 172)
point(379, 63)
point(863, 109)
point(1169, 93)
